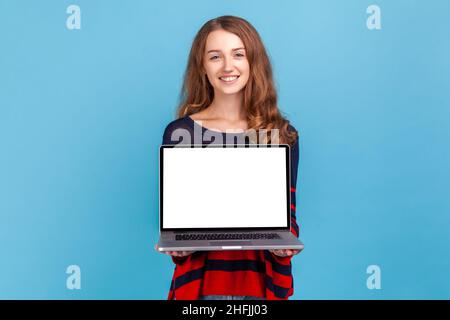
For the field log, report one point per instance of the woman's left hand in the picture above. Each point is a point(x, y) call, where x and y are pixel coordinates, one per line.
point(285, 252)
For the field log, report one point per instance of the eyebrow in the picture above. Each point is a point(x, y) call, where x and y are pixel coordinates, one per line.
point(231, 50)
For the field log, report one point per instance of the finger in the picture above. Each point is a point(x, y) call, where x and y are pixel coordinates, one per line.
point(280, 253)
point(286, 253)
point(180, 253)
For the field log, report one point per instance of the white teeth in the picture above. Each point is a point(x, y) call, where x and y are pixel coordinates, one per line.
point(228, 78)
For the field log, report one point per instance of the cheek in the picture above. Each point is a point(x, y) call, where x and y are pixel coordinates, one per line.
point(246, 66)
point(209, 74)
point(212, 66)
point(245, 70)
point(246, 75)
point(212, 72)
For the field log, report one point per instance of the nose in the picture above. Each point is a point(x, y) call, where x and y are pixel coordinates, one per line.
point(228, 64)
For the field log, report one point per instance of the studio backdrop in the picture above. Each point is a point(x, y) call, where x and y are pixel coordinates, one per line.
point(87, 88)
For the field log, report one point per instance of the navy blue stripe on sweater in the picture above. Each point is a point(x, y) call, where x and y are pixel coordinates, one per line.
point(188, 277)
point(235, 265)
point(278, 291)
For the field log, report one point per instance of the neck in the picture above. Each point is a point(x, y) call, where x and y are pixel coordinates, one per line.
point(228, 106)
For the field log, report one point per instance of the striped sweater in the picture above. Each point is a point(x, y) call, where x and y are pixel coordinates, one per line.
point(257, 273)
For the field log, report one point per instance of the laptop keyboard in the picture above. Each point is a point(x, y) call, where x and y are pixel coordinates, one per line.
point(227, 236)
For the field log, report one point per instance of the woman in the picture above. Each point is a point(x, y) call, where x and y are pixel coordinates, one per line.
point(228, 91)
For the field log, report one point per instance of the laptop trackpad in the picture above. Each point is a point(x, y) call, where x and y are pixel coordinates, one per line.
point(230, 243)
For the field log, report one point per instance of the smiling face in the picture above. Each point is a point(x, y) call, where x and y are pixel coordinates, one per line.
point(225, 62)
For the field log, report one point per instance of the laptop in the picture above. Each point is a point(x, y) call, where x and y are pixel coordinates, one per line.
point(225, 197)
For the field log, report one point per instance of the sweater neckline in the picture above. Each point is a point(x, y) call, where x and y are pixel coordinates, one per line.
point(195, 123)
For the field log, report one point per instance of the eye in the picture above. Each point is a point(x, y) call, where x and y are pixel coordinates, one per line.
point(213, 57)
point(239, 54)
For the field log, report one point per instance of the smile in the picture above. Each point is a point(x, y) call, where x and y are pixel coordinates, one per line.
point(229, 79)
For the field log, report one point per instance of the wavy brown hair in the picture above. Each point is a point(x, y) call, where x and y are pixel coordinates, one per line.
point(260, 97)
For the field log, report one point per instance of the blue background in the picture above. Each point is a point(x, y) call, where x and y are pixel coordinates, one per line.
point(82, 114)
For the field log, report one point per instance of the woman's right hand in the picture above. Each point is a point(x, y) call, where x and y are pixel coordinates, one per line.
point(178, 254)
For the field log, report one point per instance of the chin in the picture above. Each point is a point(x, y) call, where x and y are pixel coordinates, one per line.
point(230, 90)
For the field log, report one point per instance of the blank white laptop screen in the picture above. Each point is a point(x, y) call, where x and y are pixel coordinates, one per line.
point(224, 187)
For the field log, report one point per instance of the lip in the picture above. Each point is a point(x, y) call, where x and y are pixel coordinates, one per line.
point(229, 82)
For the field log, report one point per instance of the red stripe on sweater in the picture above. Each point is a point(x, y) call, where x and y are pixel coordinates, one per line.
point(236, 255)
point(232, 283)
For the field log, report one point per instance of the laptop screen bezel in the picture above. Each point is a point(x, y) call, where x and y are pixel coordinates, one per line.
point(215, 229)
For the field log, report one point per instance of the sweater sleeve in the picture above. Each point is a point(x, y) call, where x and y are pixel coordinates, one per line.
point(177, 132)
point(294, 170)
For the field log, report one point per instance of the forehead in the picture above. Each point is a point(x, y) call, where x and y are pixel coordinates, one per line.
point(222, 40)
